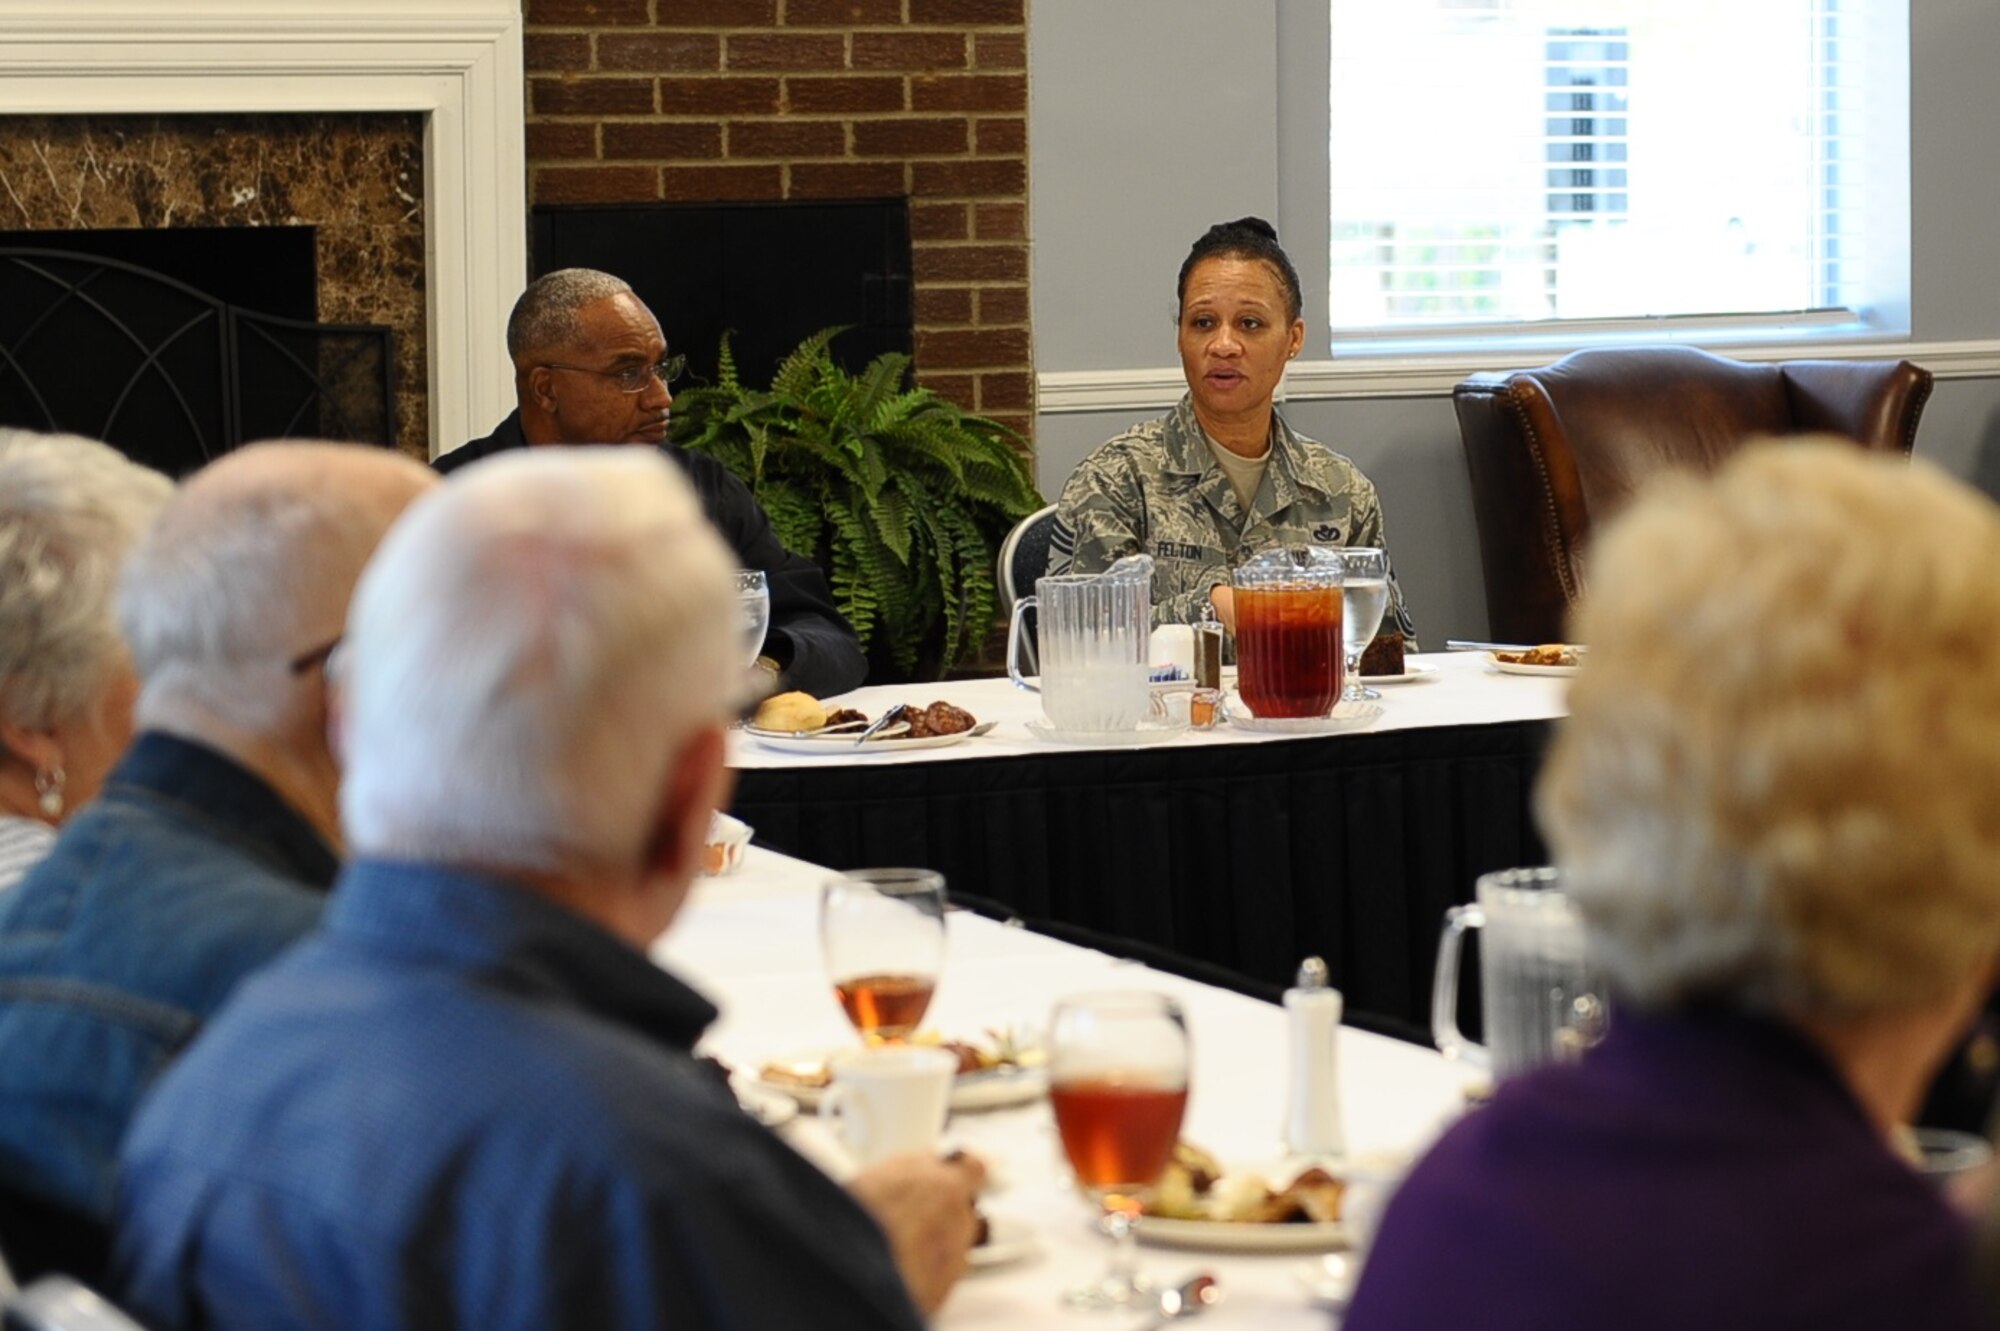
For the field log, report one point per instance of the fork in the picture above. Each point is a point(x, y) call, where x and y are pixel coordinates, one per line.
point(893, 714)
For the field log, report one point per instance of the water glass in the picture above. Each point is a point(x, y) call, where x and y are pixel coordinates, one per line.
point(753, 597)
point(1364, 595)
point(881, 933)
point(1118, 1082)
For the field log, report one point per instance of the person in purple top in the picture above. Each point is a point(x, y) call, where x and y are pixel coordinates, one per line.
point(1773, 804)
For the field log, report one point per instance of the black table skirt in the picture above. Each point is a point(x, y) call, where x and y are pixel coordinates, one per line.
point(1244, 857)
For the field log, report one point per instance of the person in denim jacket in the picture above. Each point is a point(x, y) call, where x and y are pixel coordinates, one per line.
point(470, 1099)
point(211, 845)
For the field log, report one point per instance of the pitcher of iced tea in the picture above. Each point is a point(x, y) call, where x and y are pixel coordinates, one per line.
point(1288, 649)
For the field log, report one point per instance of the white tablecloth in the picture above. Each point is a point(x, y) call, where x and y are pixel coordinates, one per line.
point(750, 943)
point(1463, 690)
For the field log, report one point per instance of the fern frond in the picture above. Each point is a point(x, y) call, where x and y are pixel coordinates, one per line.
point(795, 516)
point(807, 364)
point(725, 365)
point(891, 511)
point(853, 588)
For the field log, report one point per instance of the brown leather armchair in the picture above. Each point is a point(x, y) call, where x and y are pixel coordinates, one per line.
point(1554, 450)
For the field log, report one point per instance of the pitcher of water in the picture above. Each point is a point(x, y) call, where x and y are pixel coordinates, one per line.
point(1540, 998)
point(1093, 633)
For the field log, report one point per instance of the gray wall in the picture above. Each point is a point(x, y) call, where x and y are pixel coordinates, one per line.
point(1150, 119)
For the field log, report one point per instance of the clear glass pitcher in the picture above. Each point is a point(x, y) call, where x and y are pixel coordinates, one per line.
point(1093, 631)
point(1538, 994)
point(1288, 647)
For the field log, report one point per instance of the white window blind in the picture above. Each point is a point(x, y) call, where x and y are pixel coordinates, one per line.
point(1529, 161)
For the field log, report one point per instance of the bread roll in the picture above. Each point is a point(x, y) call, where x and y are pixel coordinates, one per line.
point(789, 711)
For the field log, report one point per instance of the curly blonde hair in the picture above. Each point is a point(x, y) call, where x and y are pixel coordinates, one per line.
point(1779, 784)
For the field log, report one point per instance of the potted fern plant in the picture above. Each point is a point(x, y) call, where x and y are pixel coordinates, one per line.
point(902, 496)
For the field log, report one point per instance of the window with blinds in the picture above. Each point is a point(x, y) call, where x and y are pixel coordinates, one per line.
point(1532, 161)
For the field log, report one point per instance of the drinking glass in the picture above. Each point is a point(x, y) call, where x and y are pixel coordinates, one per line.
point(1118, 1082)
point(1364, 595)
point(881, 932)
point(753, 595)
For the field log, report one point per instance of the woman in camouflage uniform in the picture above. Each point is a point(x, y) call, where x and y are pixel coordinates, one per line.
point(1222, 476)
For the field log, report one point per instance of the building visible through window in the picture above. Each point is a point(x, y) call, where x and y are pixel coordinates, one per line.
point(1510, 161)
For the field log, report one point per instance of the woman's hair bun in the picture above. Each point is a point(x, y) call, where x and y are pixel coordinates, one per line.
point(1252, 224)
point(1250, 238)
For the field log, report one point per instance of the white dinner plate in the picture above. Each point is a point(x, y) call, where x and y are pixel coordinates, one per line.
point(1241, 1236)
point(1150, 733)
point(768, 1106)
point(784, 741)
point(1412, 674)
point(971, 1093)
point(1516, 668)
point(1007, 1241)
point(1346, 716)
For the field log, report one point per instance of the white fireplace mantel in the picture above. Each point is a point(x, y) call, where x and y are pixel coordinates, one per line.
point(457, 62)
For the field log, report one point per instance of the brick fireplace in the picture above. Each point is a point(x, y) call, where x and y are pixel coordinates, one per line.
point(741, 100)
point(448, 69)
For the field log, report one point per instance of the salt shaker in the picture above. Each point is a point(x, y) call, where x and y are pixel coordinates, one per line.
point(1313, 1113)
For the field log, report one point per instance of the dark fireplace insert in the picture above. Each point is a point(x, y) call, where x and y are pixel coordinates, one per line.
point(179, 345)
point(769, 274)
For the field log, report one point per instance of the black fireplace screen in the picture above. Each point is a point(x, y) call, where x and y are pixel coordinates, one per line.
point(173, 377)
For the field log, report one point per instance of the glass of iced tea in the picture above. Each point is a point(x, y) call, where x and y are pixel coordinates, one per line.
point(1118, 1082)
point(881, 932)
point(1288, 645)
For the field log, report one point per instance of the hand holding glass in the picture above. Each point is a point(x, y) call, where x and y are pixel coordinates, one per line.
point(881, 932)
point(1118, 1082)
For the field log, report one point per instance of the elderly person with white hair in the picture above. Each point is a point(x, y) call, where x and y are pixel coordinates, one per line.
point(471, 1100)
point(210, 847)
point(1774, 801)
point(69, 510)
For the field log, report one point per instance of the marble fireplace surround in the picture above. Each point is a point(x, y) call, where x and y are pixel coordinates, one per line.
point(455, 62)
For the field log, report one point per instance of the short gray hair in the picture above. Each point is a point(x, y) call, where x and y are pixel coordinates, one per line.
point(70, 508)
point(545, 317)
point(251, 563)
point(1775, 788)
point(527, 654)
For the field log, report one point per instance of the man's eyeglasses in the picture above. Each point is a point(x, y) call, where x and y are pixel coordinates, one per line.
point(633, 378)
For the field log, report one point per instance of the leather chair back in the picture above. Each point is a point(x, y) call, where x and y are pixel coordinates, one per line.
point(1556, 450)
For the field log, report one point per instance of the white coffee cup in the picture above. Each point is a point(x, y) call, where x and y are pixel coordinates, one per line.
point(889, 1100)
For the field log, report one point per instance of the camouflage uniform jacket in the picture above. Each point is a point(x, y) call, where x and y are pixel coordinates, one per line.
point(1157, 489)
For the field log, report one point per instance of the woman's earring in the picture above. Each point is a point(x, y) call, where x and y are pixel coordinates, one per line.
point(49, 792)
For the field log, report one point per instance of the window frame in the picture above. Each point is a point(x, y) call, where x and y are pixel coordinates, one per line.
point(1395, 362)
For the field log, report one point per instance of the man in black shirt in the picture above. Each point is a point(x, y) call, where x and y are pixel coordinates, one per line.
point(591, 367)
